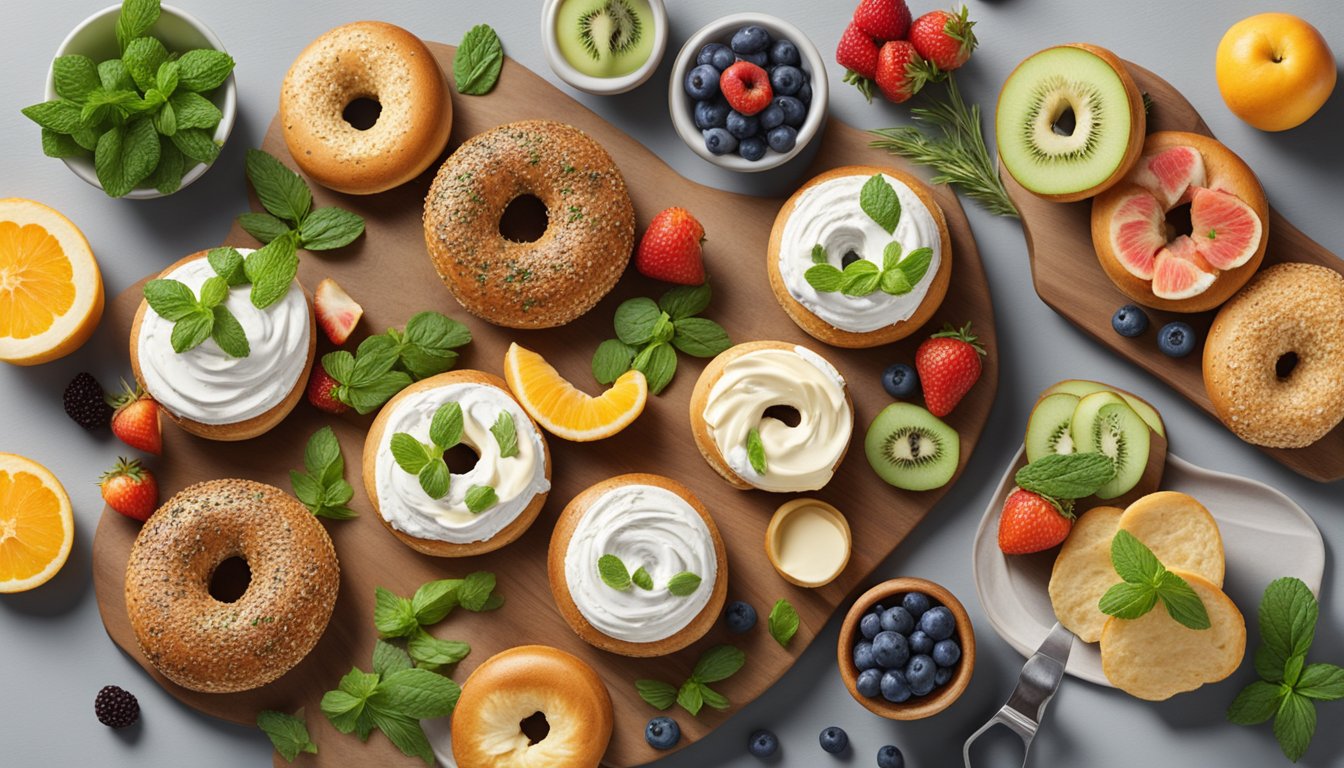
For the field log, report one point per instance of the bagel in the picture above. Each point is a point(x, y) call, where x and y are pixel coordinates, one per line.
point(1274, 357)
point(649, 522)
point(446, 527)
point(365, 60)
point(206, 645)
point(207, 392)
point(825, 211)
point(732, 396)
point(1133, 240)
point(513, 686)
point(588, 240)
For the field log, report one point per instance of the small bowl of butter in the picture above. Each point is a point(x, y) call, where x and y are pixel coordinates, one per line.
point(808, 542)
point(604, 47)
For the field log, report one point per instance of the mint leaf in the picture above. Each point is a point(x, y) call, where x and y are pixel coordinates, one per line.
point(480, 498)
point(417, 693)
point(74, 77)
point(167, 175)
point(1067, 476)
point(683, 584)
point(819, 254)
point(388, 658)
point(1288, 613)
point(405, 733)
point(663, 329)
point(1324, 682)
point(613, 572)
point(214, 291)
point(393, 615)
point(685, 301)
point(1294, 725)
point(328, 228)
point(656, 693)
point(700, 337)
point(1256, 703)
point(756, 451)
point(690, 697)
point(114, 76)
point(345, 706)
point(165, 120)
point(635, 320)
point(196, 145)
point(271, 270)
point(642, 579)
point(60, 116)
point(891, 256)
point(783, 622)
point(165, 80)
point(658, 363)
point(410, 454)
point(718, 663)
point(170, 299)
point(1128, 601)
point(433, 652)
point(506, 434)
point(288, 734)
point(1133, 561)
point(895, 283)
point(824, 278)
point(228, 332)
point(324, 489)
point(366, 398)
point(134, 20)
point(142, 57)
point(477, 592)
point(426, 348)
point(263, 226)
point(916, 264)
point(59, 145)
point(879, 201)
point(713, 698)
point(192, 330)
point(435, 479)
point(1181, 601)
point(195, 111)
point(374, 357)
point(228, 264)
point(125, 156)
point(340, 365)
point(612, 358)
point(204, 70)
point(434, 600)
point(478, 62)
point(445, 429)
point(860, 278)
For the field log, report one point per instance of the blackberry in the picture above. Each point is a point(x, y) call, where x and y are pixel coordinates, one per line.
point(115, 707)
point(86, 403)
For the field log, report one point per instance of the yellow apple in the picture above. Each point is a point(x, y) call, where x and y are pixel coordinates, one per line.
point(1274, 70)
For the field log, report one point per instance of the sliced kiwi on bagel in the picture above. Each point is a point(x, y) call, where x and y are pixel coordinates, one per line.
point(910, 448)
point(1070, 122)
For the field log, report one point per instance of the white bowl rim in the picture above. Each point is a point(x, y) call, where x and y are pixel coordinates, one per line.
point(83, 167)
point(603, 86)
point(678, 101)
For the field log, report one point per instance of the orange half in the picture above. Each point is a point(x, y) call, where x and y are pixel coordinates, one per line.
point(564, 410)
point(36, 525)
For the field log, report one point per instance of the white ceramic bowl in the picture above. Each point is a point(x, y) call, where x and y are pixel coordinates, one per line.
point(602, 86)
point(682, 107)
point(96, 38)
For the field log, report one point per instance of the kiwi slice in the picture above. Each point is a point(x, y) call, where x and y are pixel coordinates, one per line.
point(1083, 387)
point(1069, 122)
point(1104, 423)
point(609, 28)
point(1048, 428)
point(911, 448)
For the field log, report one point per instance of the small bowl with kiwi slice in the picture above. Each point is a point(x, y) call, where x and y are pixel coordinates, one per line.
point(604, 47)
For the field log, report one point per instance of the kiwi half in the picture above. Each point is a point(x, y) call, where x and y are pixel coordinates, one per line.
point(910, 448)
point(1070, 122)
point(1104, 423)
point(1048, 429)
point(1084, 387)
point(609, 28)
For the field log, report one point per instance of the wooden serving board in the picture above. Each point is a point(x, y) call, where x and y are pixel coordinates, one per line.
point(389, 272)
point(1068, 277)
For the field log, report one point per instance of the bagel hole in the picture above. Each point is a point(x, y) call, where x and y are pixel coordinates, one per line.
point(783, 413)
point(535, 727)
point(362, 113)
point(1285, 365)
point(1065, 123)
point(524, 220)
point(230, 580)
point(1178, 222)
point(461, 458)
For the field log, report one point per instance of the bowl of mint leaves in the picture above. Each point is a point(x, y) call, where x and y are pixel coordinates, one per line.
point(139, 100)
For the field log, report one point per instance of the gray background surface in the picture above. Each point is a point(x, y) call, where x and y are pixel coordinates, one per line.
point(54, 654)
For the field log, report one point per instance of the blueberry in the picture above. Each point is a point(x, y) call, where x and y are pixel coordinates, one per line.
point(916, 603)
point(1129, 321)
point(719, 141)
point(750, 39)
point(711, 114)
point(662, 733)
point(938, 623)
point(941, 677)
point(870, 625)
point(786, 80)
point(782, 138)
point(890, 757)
point(863, 656)
point(877, 609)
point(919, 671)
point(920, 642)
point(895, 688)
point(946, 653)
point(759, 59)
point(751, 148)
point(763, 743)
point(901, 382)
point(771, 117)
point(849, 258)
point(702, 82)
point(785, 52)
point(741, 125)
point(869, 683)
point(1176, 339)
point(805, 93)
point(794, 111)
point(833, 740)
point(716, 55)
point(890, 650)
point(740, 617)
point(898, 620)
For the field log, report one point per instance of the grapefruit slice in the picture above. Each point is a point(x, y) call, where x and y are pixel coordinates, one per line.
point(1180, 272)
point(563, 409)
point(1137, 232)
point(1225, 230)
point(1171, 175)
point(37, 527)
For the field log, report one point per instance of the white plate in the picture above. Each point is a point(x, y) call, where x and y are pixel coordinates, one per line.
point(1265, 535)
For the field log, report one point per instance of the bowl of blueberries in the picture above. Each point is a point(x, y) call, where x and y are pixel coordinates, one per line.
point(748, 92)
point(907, 649)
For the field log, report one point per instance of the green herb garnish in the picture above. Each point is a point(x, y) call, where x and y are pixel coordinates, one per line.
point(683, 584)
point(642, 579)
point(649, 332)
point(398, 617)
point(506, 434)
point(323, 489)
point(718, 663)
point(288, 733)
point(480, 498)
point(613, 572)
point(1289, 686)
point(394, 702)
point(387, 363)
point(756, 451)
point(425, 460)
point(1145, 582)
point(289, 209)
point(1066, 476)
point(783, 622)
point(478, 61)
point(878, 199)
point(897, 276)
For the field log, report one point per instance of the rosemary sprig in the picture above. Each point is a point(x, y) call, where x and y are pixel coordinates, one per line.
point(955, 150)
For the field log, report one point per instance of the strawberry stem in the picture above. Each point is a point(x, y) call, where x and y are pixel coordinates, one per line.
point(960, 334)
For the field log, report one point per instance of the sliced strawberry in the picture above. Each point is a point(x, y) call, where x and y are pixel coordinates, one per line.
point(337, 313)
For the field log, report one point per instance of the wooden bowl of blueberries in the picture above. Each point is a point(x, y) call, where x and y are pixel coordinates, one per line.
point(907, 649)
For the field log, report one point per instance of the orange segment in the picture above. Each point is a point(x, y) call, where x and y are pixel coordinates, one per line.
point(36, 525)
point(51, 292)
point(566, 411)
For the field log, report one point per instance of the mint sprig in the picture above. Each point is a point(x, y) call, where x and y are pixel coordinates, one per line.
point(195, 320)
point(387, 363)
point(396, 617)
point(1146, 582)
point(783, 622)
point(1066, 476)
point(323, 488)
point(716, 664)
point(897, 276)
point(1289, 686)
point(289, 209)
point(425, 460)
point(287, 733)
point(394, 702)
point(649, 333)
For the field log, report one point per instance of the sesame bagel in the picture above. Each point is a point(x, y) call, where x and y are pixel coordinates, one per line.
point(206, 645)
point(588, 240)
point(512, 686)
point(1274, 357)
point(365, 60)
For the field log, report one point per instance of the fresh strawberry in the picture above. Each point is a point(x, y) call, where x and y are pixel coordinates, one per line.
point(320, 386)
point(670, 248)
point(900, 71)
point(337, 313)
point(130, 489)
point(949, 365)
point(883, 19)
point(136, 420)
point(1030, 523)
point(944, 38)
point(857, 53)
point(746, 87)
